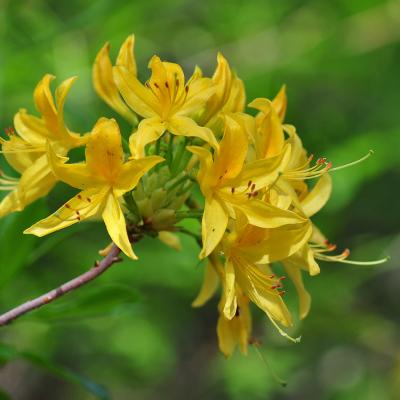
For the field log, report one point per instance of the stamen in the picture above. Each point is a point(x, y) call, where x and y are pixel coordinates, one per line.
point(369, 154)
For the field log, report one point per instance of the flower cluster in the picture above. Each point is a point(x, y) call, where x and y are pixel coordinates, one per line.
point(190, 140)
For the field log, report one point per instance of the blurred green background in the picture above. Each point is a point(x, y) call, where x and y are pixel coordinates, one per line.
point(132, 333)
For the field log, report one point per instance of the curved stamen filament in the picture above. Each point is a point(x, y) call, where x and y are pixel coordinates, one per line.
point(319, 250)
point(369, 154)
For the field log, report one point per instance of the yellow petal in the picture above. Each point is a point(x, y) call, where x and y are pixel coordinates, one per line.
point(264, 215)
point(209, 287)
point(205, 174)
point(61, 95)
point(229, 291)
point(294, 274)
point(232, 151)
point(255, 285)
point(45, 104)
point(76, 175)
point(222, 79)
point(38, 178)
point(198, 92)
point(272, 138)
point(126, 55)
point(10, 203)
point(104, 84)
point(20, 154)
point(104, 154)
point(138, 97)
point(213, 225)
point(318, 196)
point(263, 173)
point(149, 130)
point(227, 331)
point(84, 205)
point(133, 170)
point(116, 225)
point(280, 103)
point(184, 126)
point(305, 260)
point(170, 239)
point(30, 128)
point(237, 97)
point(280, 243)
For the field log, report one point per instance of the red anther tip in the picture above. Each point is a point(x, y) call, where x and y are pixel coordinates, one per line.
point(272, 276)
point(274, 287)
point(332, 247)
point(326, 242)
point(329, 165)
point(346, 252)
point(310, 157)
point(281, 278)
point(281, 293)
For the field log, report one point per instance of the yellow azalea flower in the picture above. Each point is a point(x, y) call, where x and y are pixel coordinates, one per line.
point(246, 249)
point(103, 79)
point(103, 179)
point(227, 184)
point(165, 102)
point(25, 150)
point(229, 96)
point(234, 331)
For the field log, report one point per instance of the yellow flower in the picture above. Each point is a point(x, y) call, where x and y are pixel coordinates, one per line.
point(165, 102)
point(229, 96)
point(103, 179)
point(103, 79)
point(25, 150)
point(234, 331)
point(228, 184)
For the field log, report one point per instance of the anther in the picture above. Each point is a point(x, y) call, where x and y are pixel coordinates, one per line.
point(156, 85)
point(272, 276)
point(96, 263)
point(281, 293)
point(166, 85)
point(281, 278)
point(249, 184)
point(346, 252)
point(79, 197)
point(253, 186)
point(233, 190)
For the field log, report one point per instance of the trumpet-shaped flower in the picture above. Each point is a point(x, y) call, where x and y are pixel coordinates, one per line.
point(166, 102)
point(25, 150)
point(103, 179)
point(228, 184)
point(229, 96)
point(103, 79)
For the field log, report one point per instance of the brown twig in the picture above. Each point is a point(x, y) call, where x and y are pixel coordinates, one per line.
point(93, 273)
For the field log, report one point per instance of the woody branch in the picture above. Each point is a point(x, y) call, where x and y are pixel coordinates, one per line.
point(99, 268)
